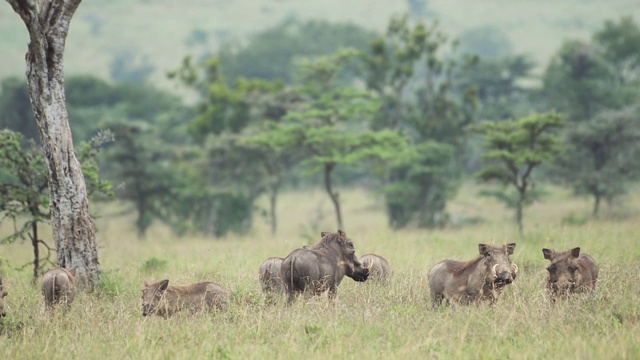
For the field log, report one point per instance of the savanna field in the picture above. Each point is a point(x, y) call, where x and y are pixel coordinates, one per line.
point(367, 320)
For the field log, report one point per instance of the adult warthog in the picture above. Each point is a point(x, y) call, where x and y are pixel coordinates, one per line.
point(2, 295)
point(482, 278)
point(379, 268)
point(321, 267)
point(270, 276)
point(164, 300)
point(59, 287)
point(570, 272)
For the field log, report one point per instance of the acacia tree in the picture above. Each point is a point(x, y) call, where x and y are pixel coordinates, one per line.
point(514, 149)
point(602, 158)
point(329, 123)
point(73, 229)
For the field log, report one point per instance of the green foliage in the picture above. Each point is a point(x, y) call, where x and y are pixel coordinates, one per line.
point(580, 82)
point(280, 46)
point(24, 187)
point(142, 168)
point(619, 43)
point(514, 148)
point(153, 264)
point(328, 123)
point(415, 84)
point(15, 108)
point(487, 41)
point(500, 91)
point(602, 156)
point(421, 181)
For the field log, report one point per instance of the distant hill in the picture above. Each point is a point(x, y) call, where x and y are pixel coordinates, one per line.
point(159, 33)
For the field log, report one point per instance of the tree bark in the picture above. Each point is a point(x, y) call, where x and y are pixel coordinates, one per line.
point(335, 199)
point(47, 22)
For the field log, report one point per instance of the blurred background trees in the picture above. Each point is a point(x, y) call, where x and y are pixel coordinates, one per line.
point(308, 104)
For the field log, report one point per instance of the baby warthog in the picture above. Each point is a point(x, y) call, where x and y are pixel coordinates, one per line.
point(270, 276)
point(2, 295)
point(321, 267)
point(570, 272)
point(59, 287)
point(379, 268)
point(164, 300)
point(482, 278)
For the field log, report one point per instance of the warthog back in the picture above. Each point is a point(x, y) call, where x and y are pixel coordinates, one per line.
point(270, 275)
point(2, 295)
point(59, 287)
point(321, 267)
point(379, 268)
point(164, 300)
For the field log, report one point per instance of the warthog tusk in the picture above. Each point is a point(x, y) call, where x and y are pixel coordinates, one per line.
point(514, 267)
point(493, 271)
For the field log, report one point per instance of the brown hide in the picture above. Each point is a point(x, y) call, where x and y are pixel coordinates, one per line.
point(164, 300)
point(321, 267)
point(482, 278)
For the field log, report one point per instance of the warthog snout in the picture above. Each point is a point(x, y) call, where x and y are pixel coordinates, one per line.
point(360, 274)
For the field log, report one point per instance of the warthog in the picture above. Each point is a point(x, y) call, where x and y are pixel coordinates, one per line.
point(270, 276)
point(570, 272)
point(2, 295)
point(379, 268)
point(482, 278)
point(321, 267)
point(164, 300)
point(59, 287)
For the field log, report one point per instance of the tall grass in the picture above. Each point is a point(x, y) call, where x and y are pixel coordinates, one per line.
point(367, 319)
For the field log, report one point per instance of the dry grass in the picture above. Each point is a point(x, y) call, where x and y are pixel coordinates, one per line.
point(367, 320)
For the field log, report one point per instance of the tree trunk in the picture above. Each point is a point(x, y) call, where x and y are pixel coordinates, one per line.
point(335, 198)
point(596, 204)
point(519, 210)
point(47, 22)
point(273, 200)
point(36, 252)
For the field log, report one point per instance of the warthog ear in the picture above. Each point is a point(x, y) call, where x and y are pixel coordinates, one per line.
point(4, 293)
point(73, 271)
point(575, 252)
point(510, 247)
point(482, 248)
point(163, 285)
point(548, 253)
point(342, 234)
point(323, 234)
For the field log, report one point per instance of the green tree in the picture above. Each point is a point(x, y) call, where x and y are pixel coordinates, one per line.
point(73, 229)
point(15, 108)
point(499, 83)
point(579, 81)
point(24, 188)
point(416, 84)
point(514, 149)
point(141, 166)
point(328, 122)
point(619, 43)
point(279, 47)
point(602, 155)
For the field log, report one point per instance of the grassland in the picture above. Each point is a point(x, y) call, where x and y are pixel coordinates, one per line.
point(367, 320)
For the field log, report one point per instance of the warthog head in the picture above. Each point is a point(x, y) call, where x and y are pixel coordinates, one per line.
point(563, 271)
point(2, 295)
point(497, 262)
point(151, 296)
point(353, 268)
